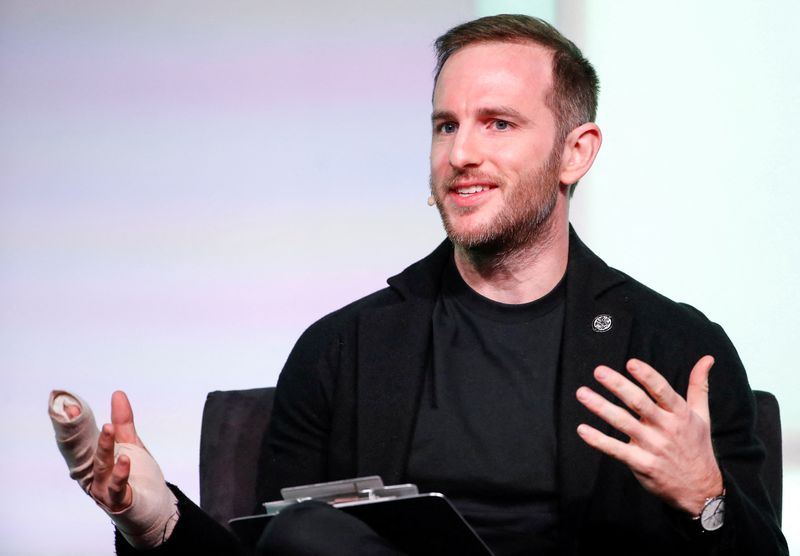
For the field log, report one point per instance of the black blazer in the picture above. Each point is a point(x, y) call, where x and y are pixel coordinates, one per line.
point(348, 396)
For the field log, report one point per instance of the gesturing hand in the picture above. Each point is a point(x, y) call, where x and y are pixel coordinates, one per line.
point(132, 489)
point(669, 450)
point(110, 484)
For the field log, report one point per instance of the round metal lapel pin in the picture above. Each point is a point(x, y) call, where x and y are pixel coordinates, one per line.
point(602, 323)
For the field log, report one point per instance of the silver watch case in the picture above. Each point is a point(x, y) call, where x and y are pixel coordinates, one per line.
point(713, 515)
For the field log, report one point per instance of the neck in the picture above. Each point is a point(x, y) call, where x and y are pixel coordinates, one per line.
point(521, 274)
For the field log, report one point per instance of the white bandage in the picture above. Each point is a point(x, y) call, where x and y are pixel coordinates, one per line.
point(153, 513)
point(76, 437)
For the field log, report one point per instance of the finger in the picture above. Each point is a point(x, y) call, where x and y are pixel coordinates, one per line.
point(622, 451)
point(104, 455)
point(72, 411)
point(612, 414)
point(120, 493)
point(697, 393)
point(656, 385)
point(122, 418)
point(628, 392)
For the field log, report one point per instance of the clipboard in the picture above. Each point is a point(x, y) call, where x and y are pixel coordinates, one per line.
point(421, 524)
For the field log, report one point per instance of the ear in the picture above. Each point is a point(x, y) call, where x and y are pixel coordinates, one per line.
point(580, 149)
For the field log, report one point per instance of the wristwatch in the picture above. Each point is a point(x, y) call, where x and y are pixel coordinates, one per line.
point(712, 516)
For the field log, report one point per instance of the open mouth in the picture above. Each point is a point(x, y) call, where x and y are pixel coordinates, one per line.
point(468, 194)
point(468, 190)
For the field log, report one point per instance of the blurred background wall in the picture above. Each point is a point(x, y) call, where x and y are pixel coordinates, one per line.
point(185, 186)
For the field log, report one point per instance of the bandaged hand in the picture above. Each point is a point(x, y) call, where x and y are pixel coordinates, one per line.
point(114, 468)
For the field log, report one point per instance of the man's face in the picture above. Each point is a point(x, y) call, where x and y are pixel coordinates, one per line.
point(494, 164)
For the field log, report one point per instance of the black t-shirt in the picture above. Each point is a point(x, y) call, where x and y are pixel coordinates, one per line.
point(485, 433)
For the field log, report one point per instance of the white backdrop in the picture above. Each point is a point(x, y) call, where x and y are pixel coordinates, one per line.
point(185, 186)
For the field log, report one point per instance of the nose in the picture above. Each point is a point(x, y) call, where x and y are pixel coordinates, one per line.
point(465, 151)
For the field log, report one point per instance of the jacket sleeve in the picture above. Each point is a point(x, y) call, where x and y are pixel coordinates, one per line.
point(195, 533)
point(297, 450)
point(751, 525)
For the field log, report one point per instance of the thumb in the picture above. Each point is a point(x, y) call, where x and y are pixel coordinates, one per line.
point(697, 393)
point(122, 419)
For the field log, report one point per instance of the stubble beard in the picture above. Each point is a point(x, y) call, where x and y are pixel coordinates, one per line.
point(522, 224)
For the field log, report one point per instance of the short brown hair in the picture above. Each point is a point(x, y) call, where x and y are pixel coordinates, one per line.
point(573, 99)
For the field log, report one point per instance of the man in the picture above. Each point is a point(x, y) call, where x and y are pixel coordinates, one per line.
point(468, 374)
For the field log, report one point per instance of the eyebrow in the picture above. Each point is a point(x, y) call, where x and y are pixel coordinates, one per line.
point(440, 115)
point(489, 111)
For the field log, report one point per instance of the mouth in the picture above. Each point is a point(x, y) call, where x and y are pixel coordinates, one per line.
point(467, 193)
point(467, 190)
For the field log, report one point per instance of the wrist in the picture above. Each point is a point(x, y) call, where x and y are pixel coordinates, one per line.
point(712, 515)
point(713, 487)
point(149, 523)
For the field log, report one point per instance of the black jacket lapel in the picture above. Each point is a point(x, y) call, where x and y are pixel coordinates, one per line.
point(394, 344)
point(596, 331)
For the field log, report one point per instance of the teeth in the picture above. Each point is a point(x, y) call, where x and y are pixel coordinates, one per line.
point(471, 189)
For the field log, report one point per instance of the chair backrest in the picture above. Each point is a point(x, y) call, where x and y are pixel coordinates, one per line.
point(235, 425)
point(233, 431)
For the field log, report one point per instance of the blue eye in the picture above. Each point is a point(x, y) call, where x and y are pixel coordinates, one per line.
point(448, 127)
point(501, 125)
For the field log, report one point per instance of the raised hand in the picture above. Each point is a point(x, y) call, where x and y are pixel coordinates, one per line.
point(132, 488)
point(669, 448)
